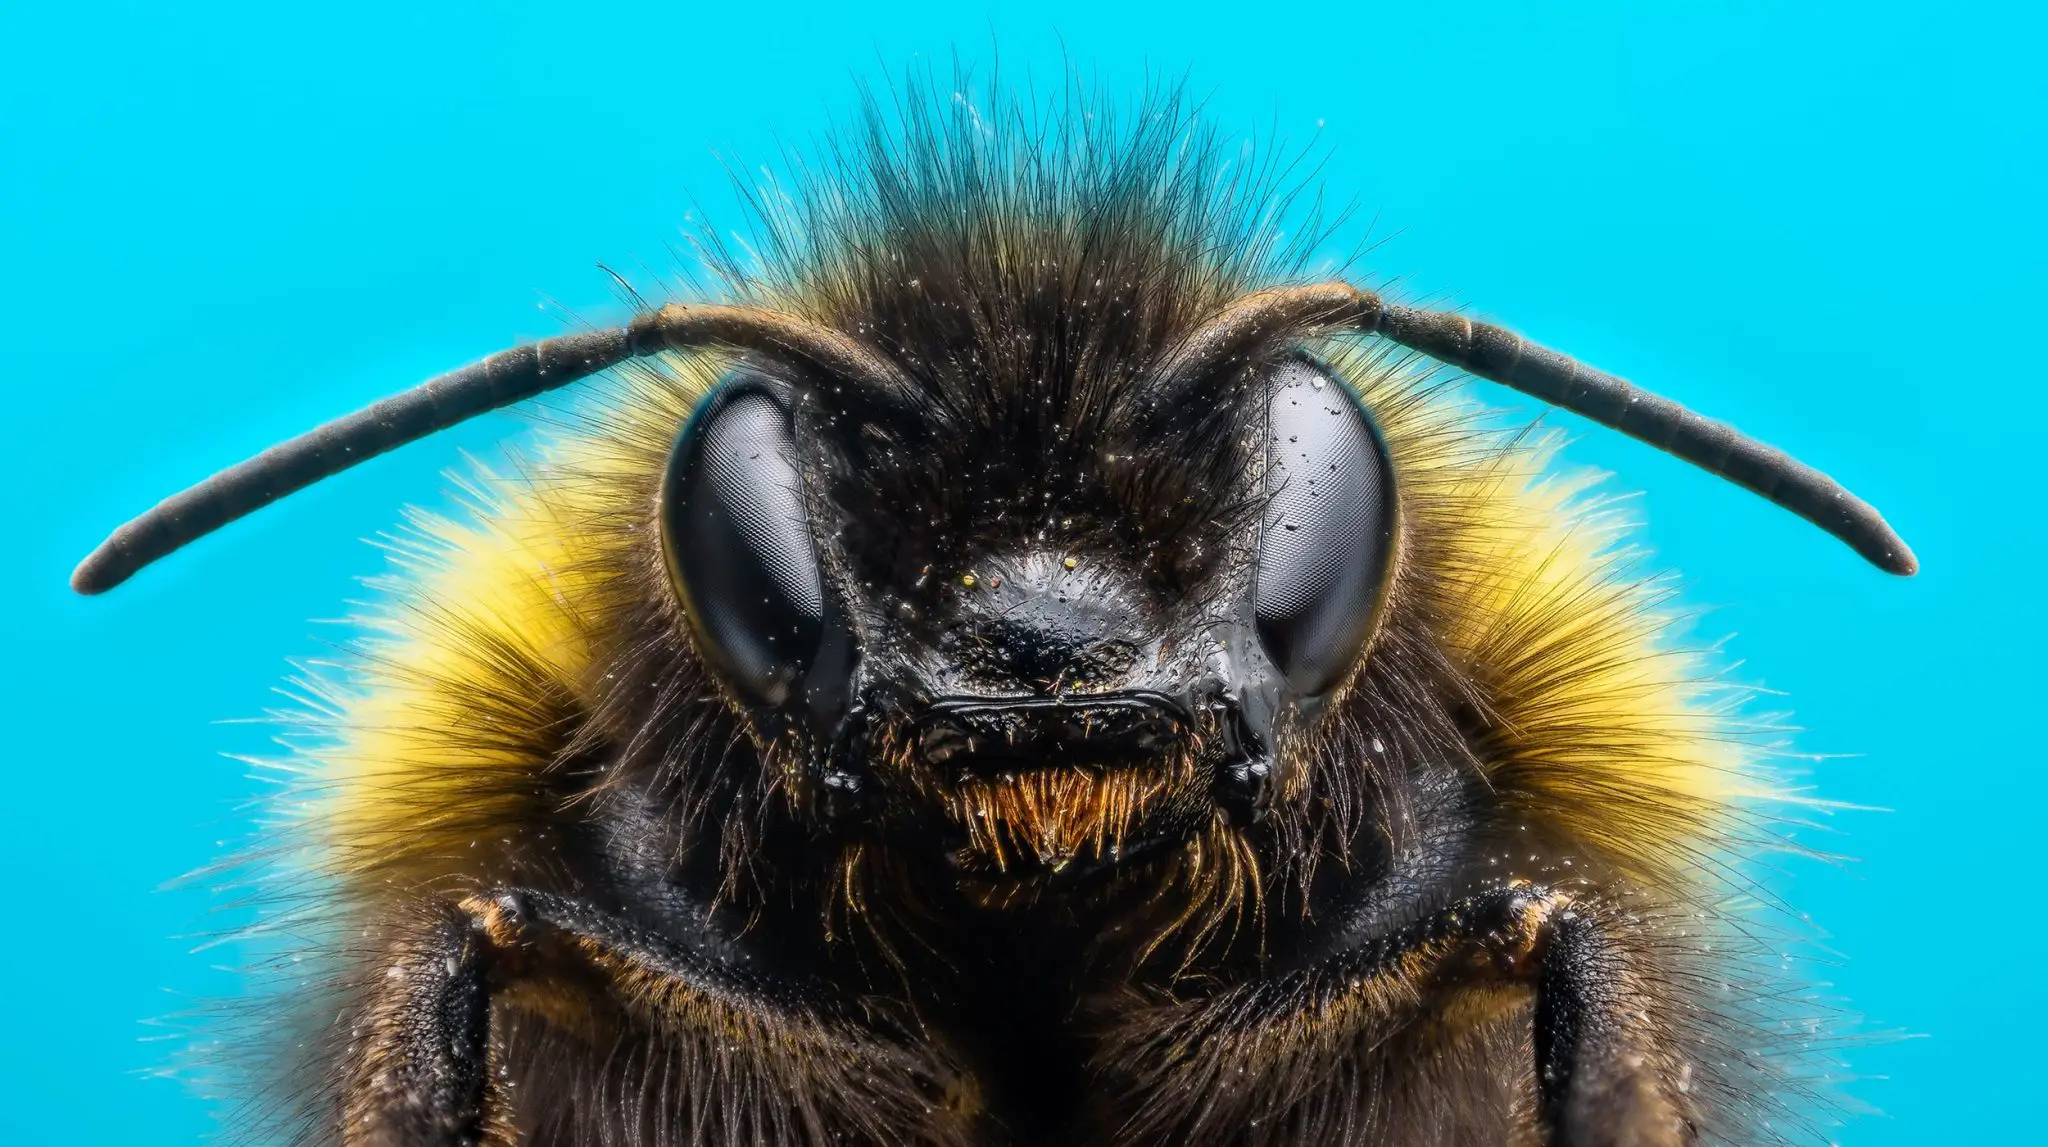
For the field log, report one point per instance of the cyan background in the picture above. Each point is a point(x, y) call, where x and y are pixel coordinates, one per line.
point(221, 224)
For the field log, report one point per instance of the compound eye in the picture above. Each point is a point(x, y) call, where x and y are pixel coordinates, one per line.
point(738, 541)
point(1327, 538)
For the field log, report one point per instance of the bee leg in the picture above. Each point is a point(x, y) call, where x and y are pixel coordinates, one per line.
point(789, 1059)
point(1605, 1073)
point(1601, 1079)
point(419, 1075)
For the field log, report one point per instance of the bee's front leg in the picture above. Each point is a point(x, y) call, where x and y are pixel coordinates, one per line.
point(1264, 1057)
point(780, 1057)
point(418, 1072)
point(1604, 1077)
point(1601, 1078)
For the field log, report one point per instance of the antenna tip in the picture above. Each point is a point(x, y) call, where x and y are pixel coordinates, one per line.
point(99, 572)
point(1882, 547)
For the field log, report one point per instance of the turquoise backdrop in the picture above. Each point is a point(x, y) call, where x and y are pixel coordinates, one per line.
point(221, 224)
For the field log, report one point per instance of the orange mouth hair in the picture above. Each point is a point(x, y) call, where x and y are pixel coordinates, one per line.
point(1049, 818)
point(1045, 817)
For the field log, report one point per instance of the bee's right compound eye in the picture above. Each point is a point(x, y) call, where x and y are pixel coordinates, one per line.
point(1328, 538)
point(737, 538)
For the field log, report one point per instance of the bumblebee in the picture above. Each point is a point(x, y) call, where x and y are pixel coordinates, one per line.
point(1030, 664)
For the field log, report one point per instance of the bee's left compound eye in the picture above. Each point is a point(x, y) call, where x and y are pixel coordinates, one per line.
point(1328, 535)
point(738, 542)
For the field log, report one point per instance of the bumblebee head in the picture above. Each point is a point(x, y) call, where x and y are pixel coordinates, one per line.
point(1060, 632)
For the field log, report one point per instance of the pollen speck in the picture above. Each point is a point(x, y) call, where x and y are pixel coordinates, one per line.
point(967, 580)
point(1070, 561)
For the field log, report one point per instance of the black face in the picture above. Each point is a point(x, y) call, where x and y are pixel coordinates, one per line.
point(1050, 650)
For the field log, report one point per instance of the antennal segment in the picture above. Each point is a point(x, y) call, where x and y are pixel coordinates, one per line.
point(502, 379)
